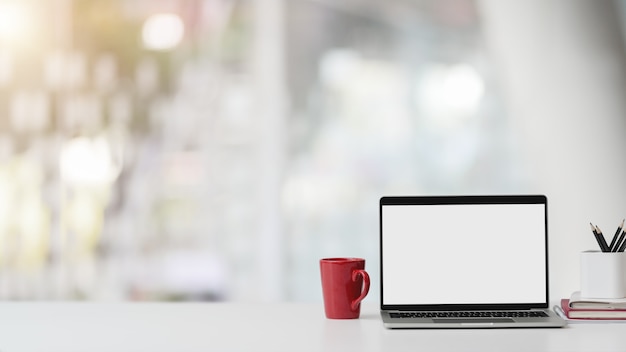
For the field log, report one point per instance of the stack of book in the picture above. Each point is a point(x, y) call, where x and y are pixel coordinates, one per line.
point(586, 309)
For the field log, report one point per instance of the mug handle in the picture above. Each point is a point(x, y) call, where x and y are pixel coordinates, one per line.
point(366, 287)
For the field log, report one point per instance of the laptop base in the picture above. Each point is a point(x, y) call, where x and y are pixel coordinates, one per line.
point(552, 321)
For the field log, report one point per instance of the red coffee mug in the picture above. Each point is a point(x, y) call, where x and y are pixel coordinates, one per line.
point(344, 284)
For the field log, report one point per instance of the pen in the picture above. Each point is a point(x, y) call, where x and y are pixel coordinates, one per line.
point(600, 238)
point(613, 246)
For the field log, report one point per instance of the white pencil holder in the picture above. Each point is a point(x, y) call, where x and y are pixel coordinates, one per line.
point(602, 274)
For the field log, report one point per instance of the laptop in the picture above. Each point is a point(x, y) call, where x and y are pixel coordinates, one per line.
point(465, 262)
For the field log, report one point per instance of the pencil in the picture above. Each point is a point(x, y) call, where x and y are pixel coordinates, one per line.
point(623, 245)
point(613, 246)
point(600, 238)
point(618, 244)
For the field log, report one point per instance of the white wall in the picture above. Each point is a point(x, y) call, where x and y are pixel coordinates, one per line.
point(562, 68)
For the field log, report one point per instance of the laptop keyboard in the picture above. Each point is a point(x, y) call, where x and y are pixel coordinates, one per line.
point(470, 314)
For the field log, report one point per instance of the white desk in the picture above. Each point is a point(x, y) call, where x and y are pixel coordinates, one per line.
point(189, 327)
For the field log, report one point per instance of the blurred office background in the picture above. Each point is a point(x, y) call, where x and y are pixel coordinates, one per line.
point(216, 149)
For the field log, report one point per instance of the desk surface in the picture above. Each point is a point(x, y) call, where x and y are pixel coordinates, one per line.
point(189, 327)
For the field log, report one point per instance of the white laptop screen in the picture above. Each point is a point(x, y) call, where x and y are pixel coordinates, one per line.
point(463, 254)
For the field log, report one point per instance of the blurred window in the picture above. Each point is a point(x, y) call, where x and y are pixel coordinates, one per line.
point(216, 149)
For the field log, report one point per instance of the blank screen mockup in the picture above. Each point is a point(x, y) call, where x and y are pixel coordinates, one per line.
point(463, 254)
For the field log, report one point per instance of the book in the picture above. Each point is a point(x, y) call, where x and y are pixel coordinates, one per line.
point(559, 311)
point(579, 302)
point(590, 313)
